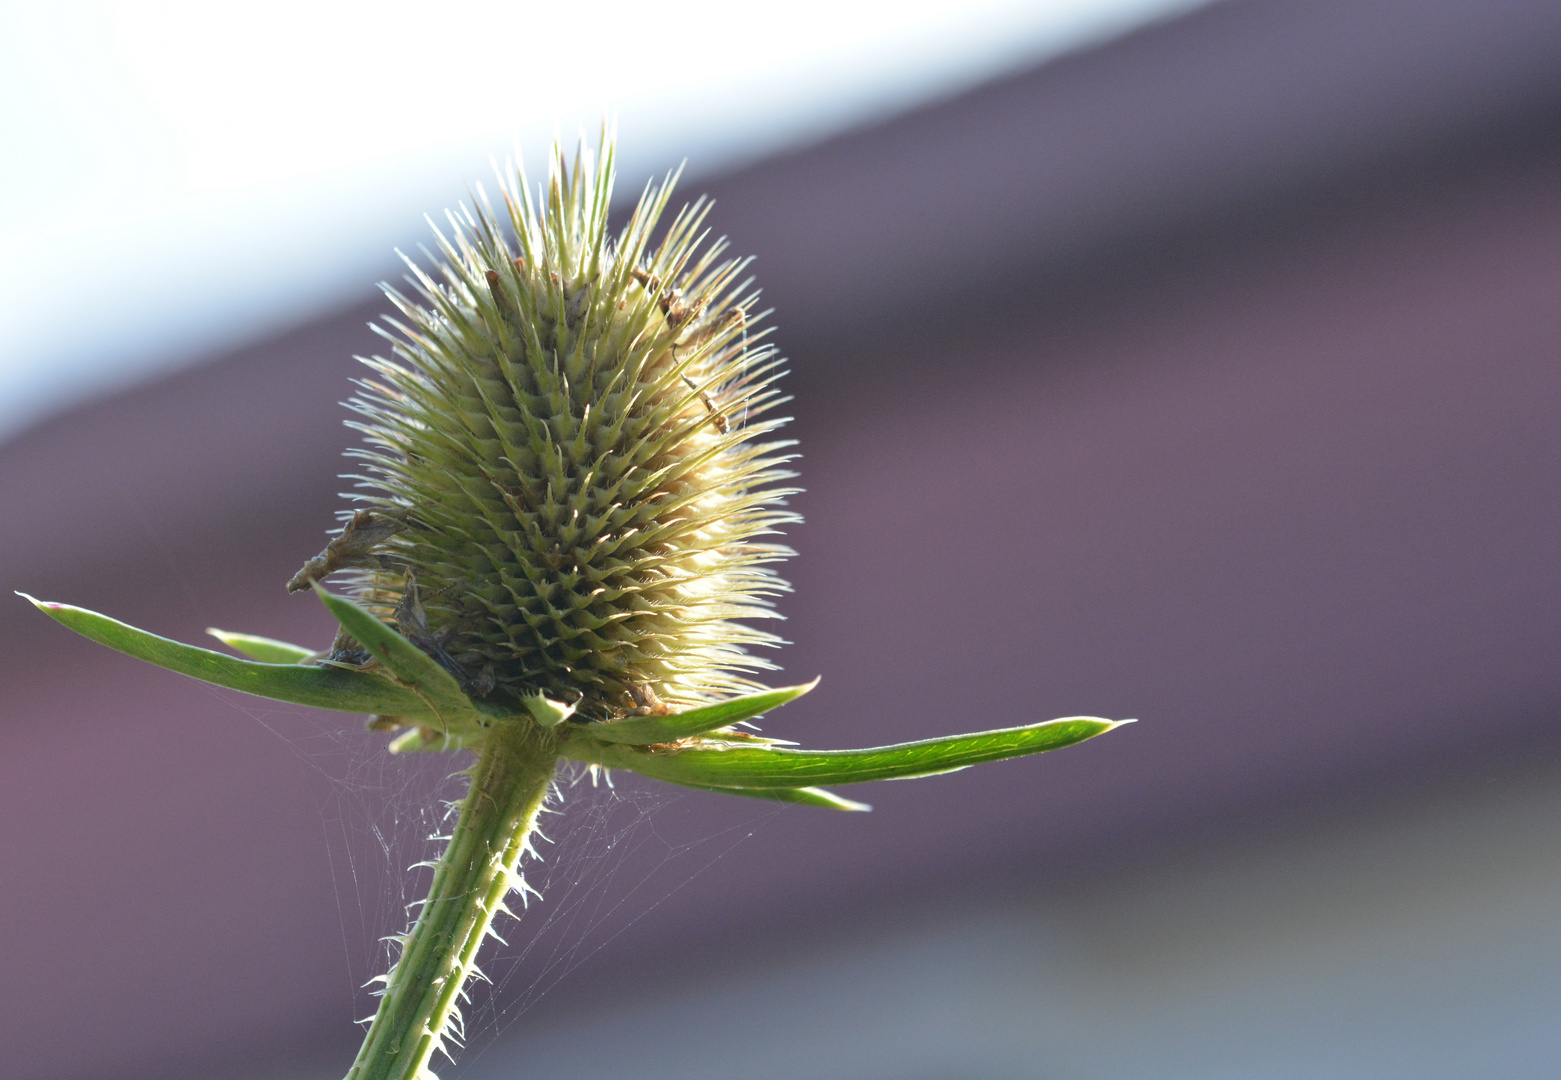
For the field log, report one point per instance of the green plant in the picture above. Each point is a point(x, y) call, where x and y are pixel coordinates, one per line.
point(563, 533)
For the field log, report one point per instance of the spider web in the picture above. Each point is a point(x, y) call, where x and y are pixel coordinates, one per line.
point(604, 864)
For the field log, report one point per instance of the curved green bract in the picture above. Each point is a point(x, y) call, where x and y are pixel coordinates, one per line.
point(421, 673)
point(807, 796)
point(266, 650)
point(322, 687)
point(646, 730)
point(425, 697)
point(742, 767)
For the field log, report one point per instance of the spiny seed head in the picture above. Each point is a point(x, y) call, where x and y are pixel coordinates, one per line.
point(566, 478)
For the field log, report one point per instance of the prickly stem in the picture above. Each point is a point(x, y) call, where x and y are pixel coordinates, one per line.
point(417, 1013)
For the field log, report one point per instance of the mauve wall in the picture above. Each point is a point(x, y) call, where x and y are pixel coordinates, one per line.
point(1272, 466)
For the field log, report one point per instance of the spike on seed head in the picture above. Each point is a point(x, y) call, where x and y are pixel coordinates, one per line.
point(572, 510)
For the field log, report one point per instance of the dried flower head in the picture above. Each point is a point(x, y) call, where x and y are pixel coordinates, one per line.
point(570, 485)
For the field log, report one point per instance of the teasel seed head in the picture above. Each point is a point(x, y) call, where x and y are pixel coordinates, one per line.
point(569, 485)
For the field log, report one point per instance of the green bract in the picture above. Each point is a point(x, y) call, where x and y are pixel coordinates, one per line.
point(566, 500)
point(698, 747)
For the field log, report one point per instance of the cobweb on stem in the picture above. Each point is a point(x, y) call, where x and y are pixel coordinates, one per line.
point(603, 866)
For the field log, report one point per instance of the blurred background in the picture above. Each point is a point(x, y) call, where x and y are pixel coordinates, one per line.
point(1191, 362)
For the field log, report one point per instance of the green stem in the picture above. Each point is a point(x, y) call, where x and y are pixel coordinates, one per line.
point(509, 785)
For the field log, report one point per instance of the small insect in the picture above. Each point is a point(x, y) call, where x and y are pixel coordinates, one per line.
point(646, 702)
point(717, 417)
point(679, 313)
point(354, 547)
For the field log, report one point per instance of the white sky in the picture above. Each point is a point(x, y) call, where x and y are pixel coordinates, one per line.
point(176, 178)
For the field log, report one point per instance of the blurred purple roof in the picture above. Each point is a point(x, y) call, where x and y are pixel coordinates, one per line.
point(1210, 377)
